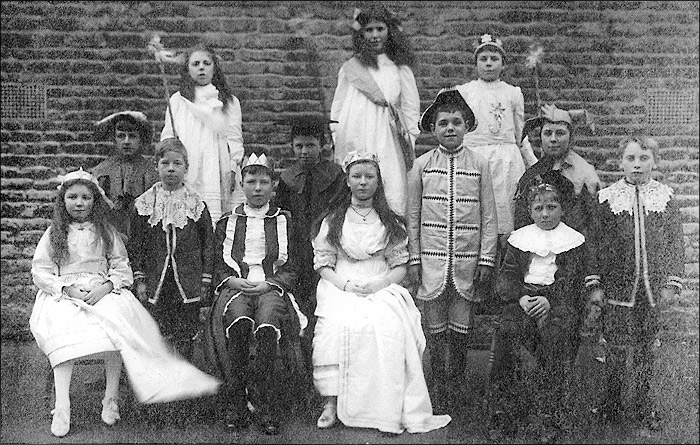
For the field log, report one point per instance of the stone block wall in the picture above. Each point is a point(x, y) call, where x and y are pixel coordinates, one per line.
point(632, 64)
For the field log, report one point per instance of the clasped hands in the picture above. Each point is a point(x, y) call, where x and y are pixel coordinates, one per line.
point(364, 288)
point(89, 296)
point(535, 306)
point(248, 287)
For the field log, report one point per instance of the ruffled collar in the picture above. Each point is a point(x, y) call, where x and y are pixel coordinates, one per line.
point(170, 208)
point(620, 196)
point(543, 242)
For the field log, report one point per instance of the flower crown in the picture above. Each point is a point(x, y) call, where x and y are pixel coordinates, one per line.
point(86, 176)
point(489, 40)
point(355, 156)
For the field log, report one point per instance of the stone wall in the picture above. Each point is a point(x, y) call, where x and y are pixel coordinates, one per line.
point(632, 65)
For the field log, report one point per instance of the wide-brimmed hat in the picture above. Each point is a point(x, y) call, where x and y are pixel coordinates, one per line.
point(104, 129)
point(550, 113)
point(447, 96)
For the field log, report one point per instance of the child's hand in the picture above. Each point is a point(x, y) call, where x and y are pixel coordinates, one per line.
point(254, 289)
point(526, 303)
point(539, 307)
point(141, 291)
point(204, 313)
point(74, 292)
point(97, 293)
point(482, 274)
point(375, 284)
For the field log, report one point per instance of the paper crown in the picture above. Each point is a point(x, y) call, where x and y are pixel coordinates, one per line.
point(550, 113)
point(355, 156)
point(489, 40)
point(86, 176)
point(447, 96)
point(254, 159)
point(104, 129)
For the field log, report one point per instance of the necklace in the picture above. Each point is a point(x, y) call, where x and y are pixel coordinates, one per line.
point(364, 217)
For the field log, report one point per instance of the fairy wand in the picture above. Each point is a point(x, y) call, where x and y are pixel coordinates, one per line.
point(164, 56)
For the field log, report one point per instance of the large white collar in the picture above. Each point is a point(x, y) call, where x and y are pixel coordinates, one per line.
point(543, 242)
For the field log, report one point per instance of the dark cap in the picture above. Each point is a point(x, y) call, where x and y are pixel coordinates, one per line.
point(311, 125)
point(447, 96)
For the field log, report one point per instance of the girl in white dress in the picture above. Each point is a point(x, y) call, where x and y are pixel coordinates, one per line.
point(500, 113)
point(382, 62)
point(207, 119)
point(84, 308)
point(368, 341)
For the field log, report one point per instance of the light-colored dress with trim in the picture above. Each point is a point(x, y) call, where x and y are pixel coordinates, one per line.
point(67, 328)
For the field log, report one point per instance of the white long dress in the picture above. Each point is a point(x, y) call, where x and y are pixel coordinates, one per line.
point(368, 350)
point(363, 126)
point(66, 328)
point(500, 111)
point(214, 142)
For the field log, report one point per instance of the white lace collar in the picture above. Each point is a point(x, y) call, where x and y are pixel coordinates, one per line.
point(169, 207)
point(620, 196)
point(543, 242)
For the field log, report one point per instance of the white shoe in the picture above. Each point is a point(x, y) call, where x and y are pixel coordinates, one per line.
point(329, 415)
point(60, 425)
point(110, 411)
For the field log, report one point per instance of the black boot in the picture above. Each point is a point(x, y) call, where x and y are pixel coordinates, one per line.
point(437, 384)
point(267, 389)
point(237, 415)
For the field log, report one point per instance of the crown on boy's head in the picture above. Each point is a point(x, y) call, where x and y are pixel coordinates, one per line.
point(254, 159)
point(355, 156)
point(87, 176)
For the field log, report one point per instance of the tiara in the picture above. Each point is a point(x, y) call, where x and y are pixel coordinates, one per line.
point(254, 159)
point(355, 156)
point(488, 39)
point(86, 176)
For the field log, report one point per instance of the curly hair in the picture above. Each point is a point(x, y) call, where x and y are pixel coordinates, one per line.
point(645, 142)
point(397, 48)
point(394, 223)
point(187, 84)
point(61, 220)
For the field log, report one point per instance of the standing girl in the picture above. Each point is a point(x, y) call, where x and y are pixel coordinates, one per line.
point(206, 117)
point(639, 248)
point(500, 112)
point(374, 85)
point(84, 308)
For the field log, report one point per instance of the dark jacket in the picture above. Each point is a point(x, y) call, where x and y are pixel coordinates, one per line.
point(279, 263)
point(192, 259)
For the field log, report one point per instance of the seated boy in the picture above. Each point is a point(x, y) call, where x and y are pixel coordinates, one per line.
point(127, 173)
point(254, 273)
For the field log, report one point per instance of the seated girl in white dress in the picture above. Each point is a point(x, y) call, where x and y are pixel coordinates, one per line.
point(368, 342)
point(84, 308)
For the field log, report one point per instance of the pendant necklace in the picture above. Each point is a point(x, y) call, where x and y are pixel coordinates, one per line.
point(364, 217)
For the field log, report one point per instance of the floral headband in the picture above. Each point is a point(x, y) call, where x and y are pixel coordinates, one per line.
point(82, 174)
point(355, 156)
